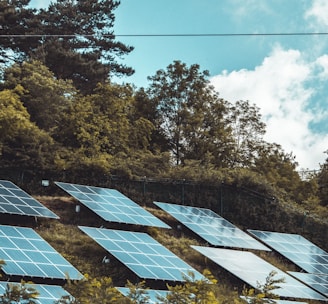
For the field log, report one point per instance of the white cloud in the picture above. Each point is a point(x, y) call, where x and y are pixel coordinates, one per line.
point(278, 88)
point(318, 12)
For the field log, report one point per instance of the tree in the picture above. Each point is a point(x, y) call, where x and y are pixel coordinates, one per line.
point(323, 183)
point(73, 38)
point(189, 112)
point(22, 143)
point(247, 131)
point(44, 96)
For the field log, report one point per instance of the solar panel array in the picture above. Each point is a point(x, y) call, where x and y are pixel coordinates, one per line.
point(297, 249)
point(14, 200)
point(152, 295)
point(142, 254)
point(318, 282)
point(48, 294)
point(211, 227)
point(111, 205)
point(252, 269)
point(26, 254)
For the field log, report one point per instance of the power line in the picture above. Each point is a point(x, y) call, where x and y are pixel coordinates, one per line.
point(165, 35)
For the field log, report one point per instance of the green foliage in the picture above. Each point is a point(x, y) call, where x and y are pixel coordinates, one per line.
point(323, 183)
point(247, 131)
point(80, 45)
point(189, 112)
point(92, 290)
point(22, 143)
point(264, 293)
point(19, 293)
point(44, 97)
point(137, 293)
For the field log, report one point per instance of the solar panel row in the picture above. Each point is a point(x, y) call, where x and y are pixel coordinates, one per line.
point(211, 227)
point(48, 294)
point(14, 200)
point(111, 205)
point(142, 254)
point(253, 270)
point(25, 253)
point(297, 249)
point(319, 282)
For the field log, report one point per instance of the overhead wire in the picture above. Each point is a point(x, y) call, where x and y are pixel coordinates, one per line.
point(166, 35)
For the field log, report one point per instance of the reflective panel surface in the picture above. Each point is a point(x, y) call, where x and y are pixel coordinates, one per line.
point(253, 270)
point(26, 254)
point(318, 282)
point(142, 254)
point(152, 295)
point(297, 249)
point(14, 200)
point(111, 205)
point(211, 227)
point(48, 294)
point(249, 299)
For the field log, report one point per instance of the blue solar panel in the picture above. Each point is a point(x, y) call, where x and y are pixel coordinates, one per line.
point(142, 254)
point(27, 254)
point(111, 205)
point(152, 295)
point(319, 282)
point(211, 227)
point(297, 249)
point(274, 301)
point(14, 200)
point(253, 270)
point(48, 294)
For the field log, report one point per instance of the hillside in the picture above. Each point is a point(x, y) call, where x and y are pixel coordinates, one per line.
point(87, 256)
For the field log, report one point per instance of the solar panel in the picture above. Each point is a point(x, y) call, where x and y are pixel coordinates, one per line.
point(14, 200)
point(319, 282)
point(252, 269)
point(297, 249)
point(211, 227)
point(27, 254)
point(111, 205)
point(142, 254)
point(152, 295)
point(48, 294)
point(274, 301)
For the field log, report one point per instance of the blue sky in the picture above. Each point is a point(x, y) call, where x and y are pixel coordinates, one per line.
point(285, 76)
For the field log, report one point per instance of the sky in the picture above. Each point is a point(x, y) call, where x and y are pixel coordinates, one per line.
point(285, 76)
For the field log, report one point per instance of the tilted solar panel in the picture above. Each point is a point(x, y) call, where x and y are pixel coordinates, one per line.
point(142, 254)
point(13, 200)
point(48, 294)
point(211, 227)
point(319, 282)
point(152, 295)
point(297, 249)
point(274, 301)
point(25, 253)
point(254, 270)
point(111, 205)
